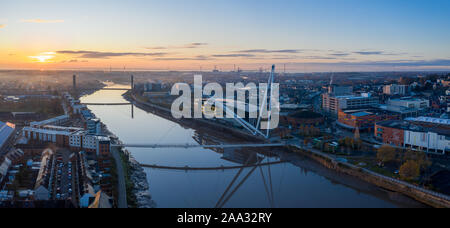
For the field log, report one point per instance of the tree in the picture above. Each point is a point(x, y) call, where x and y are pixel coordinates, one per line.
point(419, 157)
point(410, 170)
point(386, 154)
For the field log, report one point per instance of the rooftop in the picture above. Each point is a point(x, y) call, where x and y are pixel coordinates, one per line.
point(430, 120)
point(360, 114)
point(49, 121)
point(409, 126)
point(6, 130)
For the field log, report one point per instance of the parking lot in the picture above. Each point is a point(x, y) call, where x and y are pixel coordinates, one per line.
point(63, 177)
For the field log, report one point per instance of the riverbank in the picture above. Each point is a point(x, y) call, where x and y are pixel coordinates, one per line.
point(135, 187)
point(422, 195)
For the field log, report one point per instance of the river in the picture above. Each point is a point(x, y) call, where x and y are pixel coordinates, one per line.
point(298, 184)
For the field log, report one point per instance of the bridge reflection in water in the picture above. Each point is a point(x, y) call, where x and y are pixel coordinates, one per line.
point(248, 162)
point(113, 104)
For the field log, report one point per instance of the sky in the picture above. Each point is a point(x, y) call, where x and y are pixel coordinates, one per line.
point(302, 35)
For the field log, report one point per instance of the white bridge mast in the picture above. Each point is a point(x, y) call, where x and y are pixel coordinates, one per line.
point(255, 130)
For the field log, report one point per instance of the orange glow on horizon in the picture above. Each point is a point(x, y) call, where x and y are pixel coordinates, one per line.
point(43, 57)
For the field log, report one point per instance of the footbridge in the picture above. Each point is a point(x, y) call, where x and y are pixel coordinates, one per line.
point(187, 168)
point(187, 146)
point(106, 104)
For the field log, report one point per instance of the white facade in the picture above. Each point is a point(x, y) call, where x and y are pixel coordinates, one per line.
point(75, 140)
point(427, 141)
point(90, 142)
point(333, 104)
point(410, 103)
point(395, 89)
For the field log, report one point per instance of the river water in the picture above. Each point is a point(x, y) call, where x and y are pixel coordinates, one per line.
point(300, 183)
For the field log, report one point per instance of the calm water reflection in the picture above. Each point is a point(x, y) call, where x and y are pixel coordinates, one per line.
point(304, 184)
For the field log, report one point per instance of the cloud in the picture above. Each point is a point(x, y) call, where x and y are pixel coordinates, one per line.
point(444, 63)
point(197, 58)
point(156, 48)
point(369, 52)
point(340, 54)
point(189, 46)
point(2, 26)
point(196, 45)
point(409, 63)
point(105, 55)
point(318, 57)
point(42, 21)
point(233, 55)
point(292, 51)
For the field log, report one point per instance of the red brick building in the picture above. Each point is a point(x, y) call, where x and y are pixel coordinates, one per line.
point(390, 132)
point(364, 120)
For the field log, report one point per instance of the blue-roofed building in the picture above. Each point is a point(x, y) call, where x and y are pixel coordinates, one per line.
point(6, 135)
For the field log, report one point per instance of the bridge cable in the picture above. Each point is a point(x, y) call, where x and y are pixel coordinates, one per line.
point(229, 187)
point(265, 186)
point(232, 183)
point(237, 187)
point(271, 185)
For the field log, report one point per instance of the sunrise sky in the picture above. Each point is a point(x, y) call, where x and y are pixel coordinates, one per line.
point(306, 35)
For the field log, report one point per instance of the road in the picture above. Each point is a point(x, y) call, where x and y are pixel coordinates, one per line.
point(122, 189)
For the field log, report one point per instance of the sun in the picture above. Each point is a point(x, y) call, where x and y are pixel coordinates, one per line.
point(43, 57)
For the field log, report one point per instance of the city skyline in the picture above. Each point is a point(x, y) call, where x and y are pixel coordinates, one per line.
point(306, 36)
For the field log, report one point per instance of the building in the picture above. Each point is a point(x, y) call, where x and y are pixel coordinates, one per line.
point(86, 115)
point(332, 104)
point(340, 90)
point(7, 131)
point(58, 121)
point(76, 139)
point(4, 167)
point(410, 135)
point(94, 126)
point(60, 136)
point(395, 89)
point(429, 120)
point(410, 103)
point(363, 119)
point(102, 200)
point(297, 119)
point(45, 177)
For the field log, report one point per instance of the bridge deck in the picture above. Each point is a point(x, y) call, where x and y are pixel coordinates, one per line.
point(155, 146)
point(106, 104)
point(187, 168)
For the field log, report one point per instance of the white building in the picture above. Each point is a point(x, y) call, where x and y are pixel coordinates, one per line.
point(395, 89)
point(411, 103)
point(333, 104)
point(431, 142)
point(76, 139)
